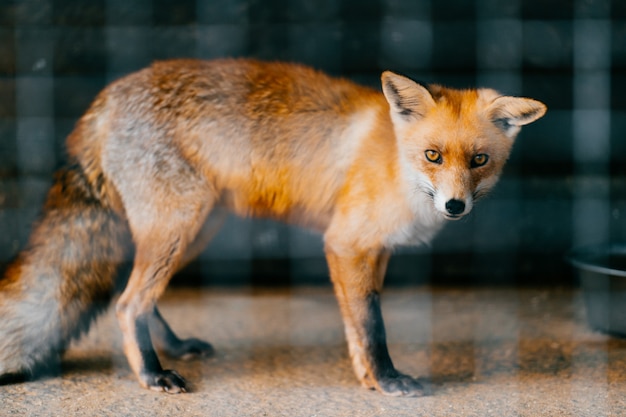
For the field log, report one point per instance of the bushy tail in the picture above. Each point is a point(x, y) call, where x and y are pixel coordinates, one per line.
point(66, 275)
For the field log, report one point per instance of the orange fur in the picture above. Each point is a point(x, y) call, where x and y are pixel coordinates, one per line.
point(166, 146)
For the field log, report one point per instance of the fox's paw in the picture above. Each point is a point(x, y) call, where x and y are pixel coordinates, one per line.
point(190, 349)
point(400, 385)
point(14, 378)
point(165, 381)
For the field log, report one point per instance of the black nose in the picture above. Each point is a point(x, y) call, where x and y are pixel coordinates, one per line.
point(455, 207)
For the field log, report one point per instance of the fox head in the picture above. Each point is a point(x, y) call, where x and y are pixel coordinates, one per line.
point(454, 143)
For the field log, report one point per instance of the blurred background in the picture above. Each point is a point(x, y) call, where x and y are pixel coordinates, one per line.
point(565, 185)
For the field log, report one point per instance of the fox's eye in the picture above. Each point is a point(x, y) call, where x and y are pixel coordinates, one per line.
point(433, 156)
point(479, 160)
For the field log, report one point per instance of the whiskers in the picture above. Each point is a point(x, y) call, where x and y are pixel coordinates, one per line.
point(426, 188)
point(480, 193)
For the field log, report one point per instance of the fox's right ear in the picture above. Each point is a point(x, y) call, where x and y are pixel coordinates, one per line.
point(406, 98)
point(511, 113)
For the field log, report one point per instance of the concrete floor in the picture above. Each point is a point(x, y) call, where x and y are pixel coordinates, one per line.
point(498, 352)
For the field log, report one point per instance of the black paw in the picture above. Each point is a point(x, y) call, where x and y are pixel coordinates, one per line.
point(400, 385)
point(190, 349)
point(165, 381)
point(15, 378)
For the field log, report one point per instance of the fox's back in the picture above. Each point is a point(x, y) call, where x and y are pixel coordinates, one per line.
point(273, 138)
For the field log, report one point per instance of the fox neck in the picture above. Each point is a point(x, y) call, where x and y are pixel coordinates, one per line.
point(421, 220)
point(402, 205)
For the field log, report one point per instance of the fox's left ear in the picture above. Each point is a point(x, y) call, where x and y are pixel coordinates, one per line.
point(511, 113)
point(406, 98)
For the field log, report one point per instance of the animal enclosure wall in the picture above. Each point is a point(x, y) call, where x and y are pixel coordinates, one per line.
point(564, 186)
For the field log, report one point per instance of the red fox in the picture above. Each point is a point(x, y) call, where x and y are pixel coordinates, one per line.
point(161, 152)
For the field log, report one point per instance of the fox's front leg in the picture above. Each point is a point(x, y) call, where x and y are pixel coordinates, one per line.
point(358, 279)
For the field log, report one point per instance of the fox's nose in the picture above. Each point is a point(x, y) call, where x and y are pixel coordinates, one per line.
point(455, 207)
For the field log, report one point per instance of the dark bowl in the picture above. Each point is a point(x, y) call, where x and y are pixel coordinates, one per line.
point(602, 274)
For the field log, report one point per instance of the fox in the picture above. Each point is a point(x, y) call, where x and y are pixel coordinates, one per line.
point(162, 155)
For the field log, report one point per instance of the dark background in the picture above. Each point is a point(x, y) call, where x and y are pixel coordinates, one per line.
point(563, 187)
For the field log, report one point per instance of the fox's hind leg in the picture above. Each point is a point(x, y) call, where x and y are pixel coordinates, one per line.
point(159, 250)
point(166, 206)
point(169, 343)
point(162, 334)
